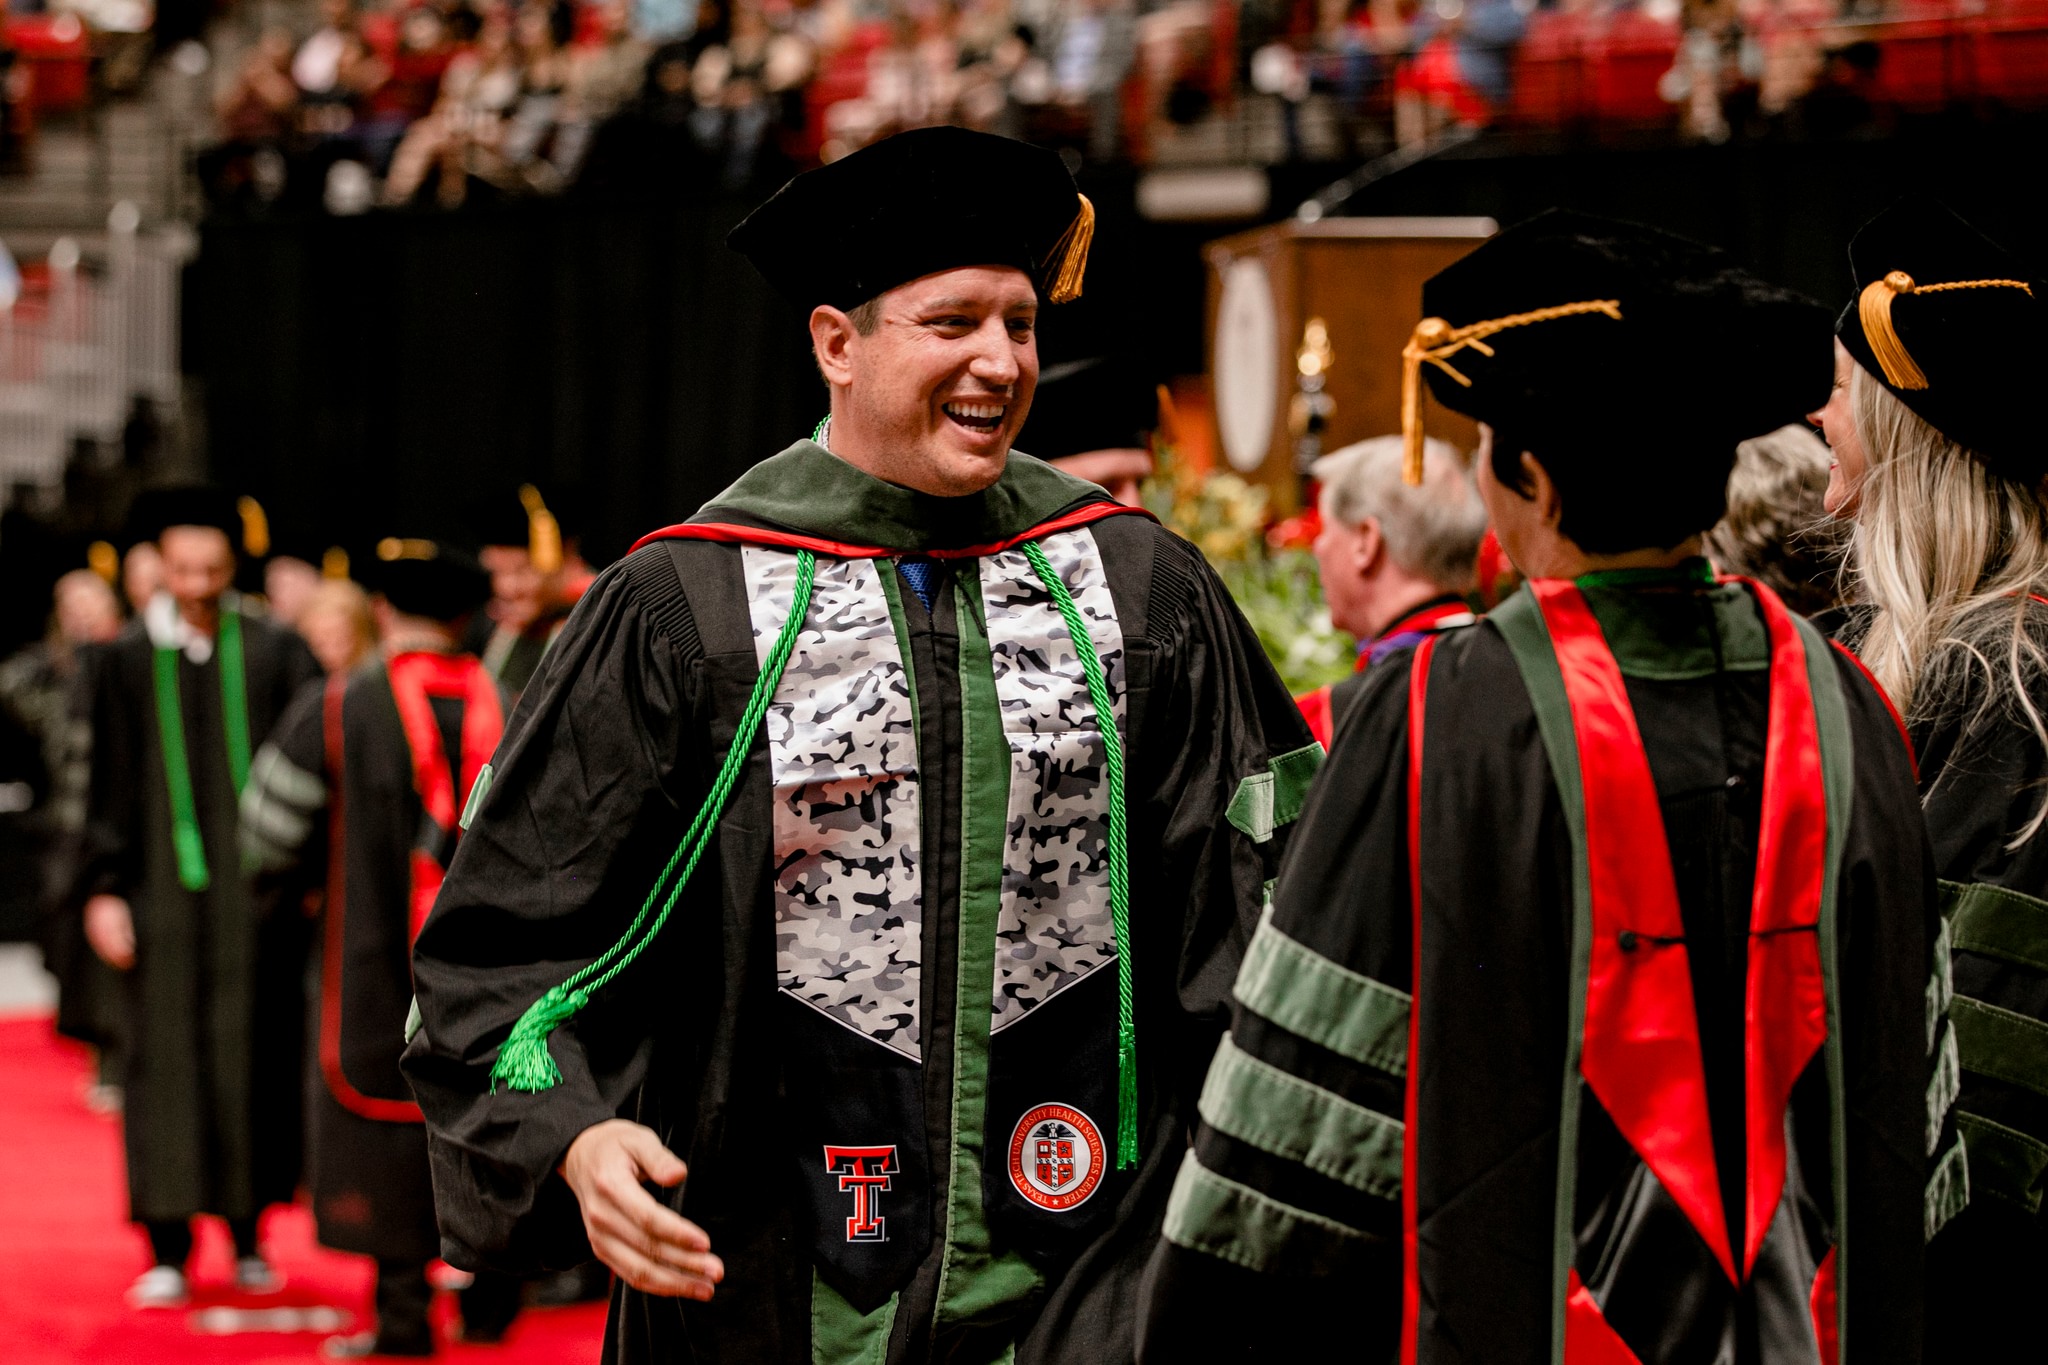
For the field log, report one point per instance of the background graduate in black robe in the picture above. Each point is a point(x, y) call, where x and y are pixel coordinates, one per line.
point(181, 700)
point(926, 1016)
point(364, 777)
point(1592, 1021)
point(1939, 460)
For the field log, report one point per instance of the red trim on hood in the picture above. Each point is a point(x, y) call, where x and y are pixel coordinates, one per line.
point(1641, 1051)
point(1411, 1269)
point(1786, 1014)
point(734, 534)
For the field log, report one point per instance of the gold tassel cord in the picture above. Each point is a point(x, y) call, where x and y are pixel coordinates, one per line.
point(1435, 341)
point(255, 527)
point(393, 548)
point(1874, 311)
point(543, 532)
point(1071, 250)
point(103, 559)
point(334, 564)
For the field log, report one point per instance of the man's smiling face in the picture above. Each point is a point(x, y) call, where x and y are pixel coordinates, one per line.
point(941, 383)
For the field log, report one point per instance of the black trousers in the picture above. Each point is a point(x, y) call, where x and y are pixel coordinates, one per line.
point(170, 1239)
point(404, 1296)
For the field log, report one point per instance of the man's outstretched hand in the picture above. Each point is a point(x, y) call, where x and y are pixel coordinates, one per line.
point(652, 1248)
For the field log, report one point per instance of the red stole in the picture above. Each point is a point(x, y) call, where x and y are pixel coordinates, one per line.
point(1640, 1052)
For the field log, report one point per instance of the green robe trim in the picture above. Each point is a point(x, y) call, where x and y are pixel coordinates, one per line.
point(1266, 801)
point(1305, 993)
point(977, 1286)
point(1258, 1103)
point(2004, 1162)
point(843, 1335)
point(2001, 1044)
point(1236, 1223)
point(1995, 921)
point(1520, 622)
point(807, 488)
point(186, 841)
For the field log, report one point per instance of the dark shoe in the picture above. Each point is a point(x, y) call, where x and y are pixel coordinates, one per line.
point(366, 1344)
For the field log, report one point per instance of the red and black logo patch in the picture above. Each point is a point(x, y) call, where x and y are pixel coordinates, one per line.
point(1056, 1157)
point(864, 1173)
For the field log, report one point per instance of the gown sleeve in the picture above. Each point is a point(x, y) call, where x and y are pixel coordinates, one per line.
point(287, 787)
point(1231, 762)
point(1287, 1207)
point(591, 788)
point(110, 848)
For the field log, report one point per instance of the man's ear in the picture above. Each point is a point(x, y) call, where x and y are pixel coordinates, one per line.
point(1542, 491)
point(1369, 547)
point(833, 339)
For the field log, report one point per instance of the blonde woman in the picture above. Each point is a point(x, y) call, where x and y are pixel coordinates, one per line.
point(337, 626)
point(1939, 462)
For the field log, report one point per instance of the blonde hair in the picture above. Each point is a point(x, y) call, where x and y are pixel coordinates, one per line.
point(1948, 553)
point(342, 598)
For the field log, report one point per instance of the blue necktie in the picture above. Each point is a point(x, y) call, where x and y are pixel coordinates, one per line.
point(918, 574)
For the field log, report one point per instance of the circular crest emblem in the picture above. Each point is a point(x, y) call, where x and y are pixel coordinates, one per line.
point(1056, 1157)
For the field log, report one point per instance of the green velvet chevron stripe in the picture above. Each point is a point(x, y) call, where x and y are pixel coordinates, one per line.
point(2001, 1043)
point(1307, 994)
point(1994, 921)
point(2004, 1162)
point(1942, 1089)
point(1236, 1223)
point(1260, 1104)
point(1266, 801)
point(1948, 1189)
point(1941, 988)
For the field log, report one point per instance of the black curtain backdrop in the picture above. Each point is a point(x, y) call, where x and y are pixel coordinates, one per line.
point(368, 375)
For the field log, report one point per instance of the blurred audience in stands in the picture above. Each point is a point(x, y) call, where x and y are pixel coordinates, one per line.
point(445, 102)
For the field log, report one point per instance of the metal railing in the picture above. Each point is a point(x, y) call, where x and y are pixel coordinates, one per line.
point(73, 361)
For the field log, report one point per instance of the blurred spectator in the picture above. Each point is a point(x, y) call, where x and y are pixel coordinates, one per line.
point(1091, 45)
point(336, 625)
point(1459, 73)
point(142, 574)
point(257, 109)
point(1776, 530)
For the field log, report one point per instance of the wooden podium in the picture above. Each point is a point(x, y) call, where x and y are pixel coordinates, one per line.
point(1361, 278)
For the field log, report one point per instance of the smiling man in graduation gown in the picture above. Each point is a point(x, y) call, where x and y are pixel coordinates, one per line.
point(880, 845)
point(181, 699)
point(1592, 1020)
point(365, 775)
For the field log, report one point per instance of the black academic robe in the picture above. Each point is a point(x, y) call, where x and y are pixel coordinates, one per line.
point(1304, 1179)
point(604, 763)
point(335, 789)
point(214, 1002)
point(1983, 772)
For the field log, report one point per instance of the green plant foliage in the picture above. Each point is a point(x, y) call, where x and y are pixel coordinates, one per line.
point(1277, 590)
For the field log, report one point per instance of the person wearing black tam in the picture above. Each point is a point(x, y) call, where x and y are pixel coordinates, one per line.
point(1093, 419)
point(532, 550)
point(180, 701)
point(877, 846)
point(1939, 466)
point(1586, 1023)
point(364, 778)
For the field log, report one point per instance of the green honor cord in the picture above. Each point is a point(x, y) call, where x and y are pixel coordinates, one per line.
point(524, 1062)
point(186, 841)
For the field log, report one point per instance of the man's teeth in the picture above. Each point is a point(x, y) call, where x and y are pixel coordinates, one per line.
point(975, 412)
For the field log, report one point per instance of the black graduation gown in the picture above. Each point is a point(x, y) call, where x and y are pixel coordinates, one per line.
point(604, 763)
point(1292, 1214)
point(367, 1154)
point(1983, 777)
point(211, 1105)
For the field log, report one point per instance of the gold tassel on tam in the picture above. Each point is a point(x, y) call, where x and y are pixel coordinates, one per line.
point(1874, 311)
point(255, 527)
point(543, 532)
point(1072, 252)
point(103, 559)
point(334, 564)
point(1435, 341)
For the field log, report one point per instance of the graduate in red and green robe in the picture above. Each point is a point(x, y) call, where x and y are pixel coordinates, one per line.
point(879, 845)
point(1592, 1020)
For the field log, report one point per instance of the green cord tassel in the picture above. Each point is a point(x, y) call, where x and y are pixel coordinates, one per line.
point(1119, 855)
point(524, 1062)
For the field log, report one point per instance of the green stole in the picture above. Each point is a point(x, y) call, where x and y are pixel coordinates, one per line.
point(170, 720)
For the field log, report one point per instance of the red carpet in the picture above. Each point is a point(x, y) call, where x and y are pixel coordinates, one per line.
point(67, 1251)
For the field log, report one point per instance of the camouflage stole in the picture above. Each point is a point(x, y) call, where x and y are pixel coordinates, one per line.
point(842, 744)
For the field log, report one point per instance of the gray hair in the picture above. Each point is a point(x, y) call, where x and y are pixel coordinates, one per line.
point(1776, 529)
point(1432, 531)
